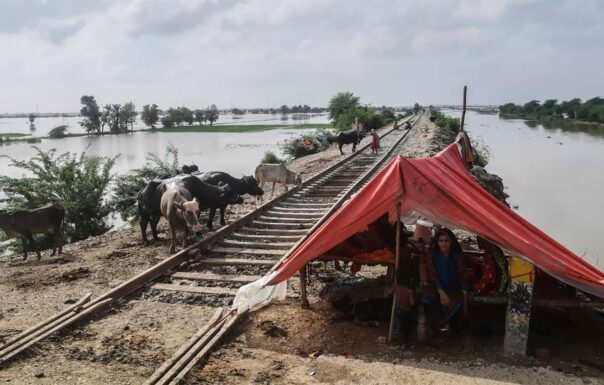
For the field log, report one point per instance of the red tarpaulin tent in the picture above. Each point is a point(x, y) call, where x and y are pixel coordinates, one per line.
point(441, 189)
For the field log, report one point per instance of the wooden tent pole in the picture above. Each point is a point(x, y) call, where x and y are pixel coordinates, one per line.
point(396, 264)
point(303, 297)
point(463, 111)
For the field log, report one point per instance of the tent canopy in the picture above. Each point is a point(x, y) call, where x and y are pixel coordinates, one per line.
point(441, 189)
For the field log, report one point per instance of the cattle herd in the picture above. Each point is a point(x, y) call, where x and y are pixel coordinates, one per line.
point(179, 199)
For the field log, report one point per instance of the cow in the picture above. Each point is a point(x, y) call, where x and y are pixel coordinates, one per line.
point(348, 137)
point(181, 210)
point(267, 172)
point(244, 185)
point(149, 198)
point(23, 224)
point(186, 169)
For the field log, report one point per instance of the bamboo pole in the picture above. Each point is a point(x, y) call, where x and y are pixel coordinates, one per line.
point(463, 111)
point(396, 265)
point(303, 294)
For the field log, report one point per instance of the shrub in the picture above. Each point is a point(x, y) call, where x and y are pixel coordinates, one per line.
point(307, 144)
point(447, 122)
point(128, 185)
point(76, 182)
point(270, 157)
point(58, 132)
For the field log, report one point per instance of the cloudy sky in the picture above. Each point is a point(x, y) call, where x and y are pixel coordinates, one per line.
point(271, 52)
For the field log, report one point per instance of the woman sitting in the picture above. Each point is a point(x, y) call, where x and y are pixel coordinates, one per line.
point(444, 285)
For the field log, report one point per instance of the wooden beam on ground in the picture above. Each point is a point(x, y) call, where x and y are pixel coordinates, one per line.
point(236, 261)
point(235, 251)
point(214, 277)
point(193, 289)
point(520, 296)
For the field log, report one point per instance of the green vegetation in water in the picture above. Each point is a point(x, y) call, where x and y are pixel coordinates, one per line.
point(591, 110)
point(238, 128)
point(270, 157)
point(128, 185)
point(75, 181)
point(446, 122)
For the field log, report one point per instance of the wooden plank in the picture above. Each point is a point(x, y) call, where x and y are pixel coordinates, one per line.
point(214, 277)
point(276, 238)
point(237, 261)
point(271, 232)
point(266, 218)
point(281, 225)
point(194, 289)
point(255, 245)
point(235, 250)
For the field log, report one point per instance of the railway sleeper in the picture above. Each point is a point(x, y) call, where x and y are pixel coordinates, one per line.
point(269, 238)
point(256, 245)
point(195, 289)
point(280, 225)
point(286, 214)
point(267, 218)
point(271, 232)
point(248, 251)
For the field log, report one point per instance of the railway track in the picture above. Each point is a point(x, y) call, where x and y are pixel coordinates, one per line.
point(231, 257)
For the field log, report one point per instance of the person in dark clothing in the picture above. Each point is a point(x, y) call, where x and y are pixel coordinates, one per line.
point(406, 284)
point(444, 285)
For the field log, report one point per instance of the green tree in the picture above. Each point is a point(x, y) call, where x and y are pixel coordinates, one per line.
point(91, 114)
point(187, 115)
point(531, 107)
point(212, 114)
point(77, 182)
point(58, 132)
point(128, 116)
point(150, 115)
point(106, 117)
point(200, 116)
point(341, 104)
point(32, 117)
point(237, 111)
point(570, 107)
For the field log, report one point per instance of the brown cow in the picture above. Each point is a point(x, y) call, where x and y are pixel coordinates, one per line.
point(23, 224)
point(181, 211)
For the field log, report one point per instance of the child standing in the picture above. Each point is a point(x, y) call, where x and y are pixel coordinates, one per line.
point(375, 142)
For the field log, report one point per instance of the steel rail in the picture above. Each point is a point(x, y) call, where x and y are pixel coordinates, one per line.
point(176, 368)
point(88, 308)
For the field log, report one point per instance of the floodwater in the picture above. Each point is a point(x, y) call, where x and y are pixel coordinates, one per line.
point(554, 174)
point(44, 125)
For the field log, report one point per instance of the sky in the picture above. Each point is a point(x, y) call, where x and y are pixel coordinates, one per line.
point(266, 53)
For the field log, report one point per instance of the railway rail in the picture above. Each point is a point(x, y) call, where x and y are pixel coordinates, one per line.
point(233, 256)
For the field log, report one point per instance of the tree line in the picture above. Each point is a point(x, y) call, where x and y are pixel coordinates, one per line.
point(284, 109)
point(120, 118)
point(591, 110)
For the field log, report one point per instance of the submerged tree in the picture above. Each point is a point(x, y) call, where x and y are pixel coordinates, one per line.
point(128, 116)
point(150, 115)
point(212, 114)
point(76, 182)
point(91, 114)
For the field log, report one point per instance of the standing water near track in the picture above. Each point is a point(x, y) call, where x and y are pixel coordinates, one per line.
point(553, 175)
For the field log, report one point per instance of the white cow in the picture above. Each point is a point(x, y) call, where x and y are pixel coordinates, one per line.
point(266, 172)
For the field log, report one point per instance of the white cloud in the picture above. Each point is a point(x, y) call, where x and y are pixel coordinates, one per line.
point(271, 52)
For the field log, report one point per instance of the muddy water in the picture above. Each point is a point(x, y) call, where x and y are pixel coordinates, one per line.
point(235, 153)
point(554, 174)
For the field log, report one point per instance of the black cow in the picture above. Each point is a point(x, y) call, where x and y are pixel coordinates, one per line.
point(24, 224)
point(210, 197)
point(349, 137)
point(245, 185)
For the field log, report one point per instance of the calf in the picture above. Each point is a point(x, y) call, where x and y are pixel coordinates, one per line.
point(210, 197)
point(181, 210)
point(23, 224)
point(267, 172)
point(348, 137)
point(244, 185)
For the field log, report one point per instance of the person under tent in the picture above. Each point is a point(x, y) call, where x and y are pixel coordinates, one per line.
point(445, 287)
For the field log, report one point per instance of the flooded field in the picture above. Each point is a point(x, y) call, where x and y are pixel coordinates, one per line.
point(44, 125)
point(553, 174)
